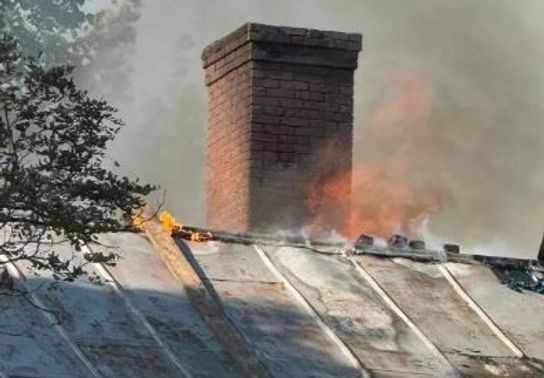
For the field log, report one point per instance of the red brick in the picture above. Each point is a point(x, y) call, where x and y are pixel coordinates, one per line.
point(270, 113)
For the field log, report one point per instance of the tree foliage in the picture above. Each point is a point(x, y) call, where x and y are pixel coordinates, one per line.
point(53, 184)
point(96, 43)
point(51, 26)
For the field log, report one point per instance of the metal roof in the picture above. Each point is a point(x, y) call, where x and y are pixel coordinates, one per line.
point(172, 308)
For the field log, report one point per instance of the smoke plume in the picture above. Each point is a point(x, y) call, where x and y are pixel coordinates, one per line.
point(448, 111)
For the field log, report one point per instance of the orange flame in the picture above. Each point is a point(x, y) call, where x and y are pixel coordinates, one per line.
point(393, 188)
point(137, 221)
point(200, 237)
point(170, 225)
point(168, 222)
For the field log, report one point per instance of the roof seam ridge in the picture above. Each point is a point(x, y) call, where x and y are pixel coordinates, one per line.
point(18, 274)
point(177, 258)
point(480, 312)
point(400, 313)
point(214, 296)
point(357, 363)
point(117, 287)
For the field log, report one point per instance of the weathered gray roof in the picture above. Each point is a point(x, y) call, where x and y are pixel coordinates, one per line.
point(218, 309)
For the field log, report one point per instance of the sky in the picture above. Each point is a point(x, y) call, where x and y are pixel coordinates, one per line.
point(448, 103)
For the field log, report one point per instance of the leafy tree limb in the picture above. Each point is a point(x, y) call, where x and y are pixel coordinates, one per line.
point(53, 184)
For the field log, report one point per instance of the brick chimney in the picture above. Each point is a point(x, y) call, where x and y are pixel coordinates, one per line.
point(277, 98)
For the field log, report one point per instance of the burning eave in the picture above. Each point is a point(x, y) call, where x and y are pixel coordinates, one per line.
point(227, 263)
point(407, 250)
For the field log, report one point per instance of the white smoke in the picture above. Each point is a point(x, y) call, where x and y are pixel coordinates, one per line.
point(483, 58)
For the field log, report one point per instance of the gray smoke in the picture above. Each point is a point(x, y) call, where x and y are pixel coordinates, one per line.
point(481, 137)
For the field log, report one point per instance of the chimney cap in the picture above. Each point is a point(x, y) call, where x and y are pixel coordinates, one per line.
point(262, 33)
